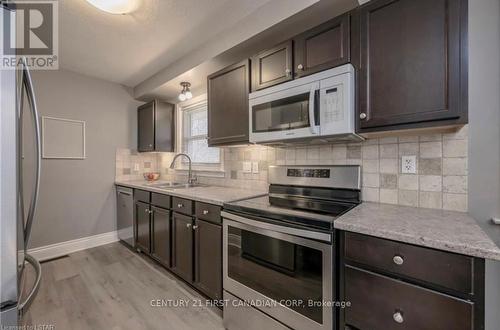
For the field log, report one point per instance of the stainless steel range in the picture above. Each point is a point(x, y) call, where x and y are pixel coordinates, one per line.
point(279, 253)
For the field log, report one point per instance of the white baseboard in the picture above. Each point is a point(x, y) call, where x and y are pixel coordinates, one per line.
point(60, 249)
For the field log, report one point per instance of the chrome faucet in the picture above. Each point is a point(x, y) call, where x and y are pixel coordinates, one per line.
point(191, 179)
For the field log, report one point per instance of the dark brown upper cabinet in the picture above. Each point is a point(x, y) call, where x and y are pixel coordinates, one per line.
point(272, 66)
point(228, 105)
point(323, 47)
point(412, 64)
point(156, 127)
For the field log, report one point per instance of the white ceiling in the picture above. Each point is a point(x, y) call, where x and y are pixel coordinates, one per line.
point(128, 49)
point(196, 74)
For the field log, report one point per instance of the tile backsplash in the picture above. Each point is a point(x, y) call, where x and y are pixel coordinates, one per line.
point(130, 165)
point(440, 181)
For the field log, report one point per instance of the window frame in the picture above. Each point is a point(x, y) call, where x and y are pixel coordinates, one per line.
point(209, 169)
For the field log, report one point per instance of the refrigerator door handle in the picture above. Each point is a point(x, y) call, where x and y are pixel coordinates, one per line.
point(20, 152)
point(30, 93)
point(24, 305)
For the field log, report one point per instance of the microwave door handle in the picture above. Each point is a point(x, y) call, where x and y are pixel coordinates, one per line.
point(312, 118)
point(28, 82)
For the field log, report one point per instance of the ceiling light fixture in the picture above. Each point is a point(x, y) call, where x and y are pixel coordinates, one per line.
point(186, 92)
point(115, 6)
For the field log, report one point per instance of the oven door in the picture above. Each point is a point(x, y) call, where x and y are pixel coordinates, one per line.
point(284, 272)
point(285, 114)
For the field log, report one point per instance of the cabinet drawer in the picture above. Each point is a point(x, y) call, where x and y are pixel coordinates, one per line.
point(182, 205)
point(161, 200)
point(142, 196)
point(382, 303)
point(448, 270)
point(208, 212)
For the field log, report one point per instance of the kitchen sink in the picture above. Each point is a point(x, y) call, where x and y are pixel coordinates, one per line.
point(177, 185)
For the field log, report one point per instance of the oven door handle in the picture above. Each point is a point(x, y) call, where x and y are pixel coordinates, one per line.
point(281, 229)
point(312, 105)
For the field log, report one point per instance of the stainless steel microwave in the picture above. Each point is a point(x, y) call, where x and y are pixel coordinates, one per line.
point(316, 106)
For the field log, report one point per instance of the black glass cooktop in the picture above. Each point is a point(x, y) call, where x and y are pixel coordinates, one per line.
point(296, 211)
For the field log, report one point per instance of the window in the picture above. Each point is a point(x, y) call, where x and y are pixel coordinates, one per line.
point(194, 137)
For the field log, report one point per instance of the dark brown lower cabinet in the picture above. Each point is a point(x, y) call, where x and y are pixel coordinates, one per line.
point(182, 246)
point(383, 303)
point(208, 258)
point(160, 232)
point(395, 285)
point(143, 219)
point(190, 248)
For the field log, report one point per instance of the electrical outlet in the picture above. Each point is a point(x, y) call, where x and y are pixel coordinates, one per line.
point(247, 167)
point(255, 167)
point(409, 164)
point(136, 166)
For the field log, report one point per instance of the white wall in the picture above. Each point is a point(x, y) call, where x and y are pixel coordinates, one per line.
point(77, 196)
point(484, 135)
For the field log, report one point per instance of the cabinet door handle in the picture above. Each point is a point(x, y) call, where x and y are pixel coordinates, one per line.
point(205, 212)
point(150, 145)
point(194, 227)
point(188, 225)
point(398, 260)
point(362, 115)
point(146, 211)
point(398, 317)
point(300, 67)
point(287, 72)
point(180, 205)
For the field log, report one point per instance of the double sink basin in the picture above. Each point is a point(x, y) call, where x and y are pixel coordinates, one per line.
point(175, 185)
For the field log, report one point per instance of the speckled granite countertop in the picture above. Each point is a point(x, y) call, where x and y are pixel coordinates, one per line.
point(444, 230)
point(208, 194)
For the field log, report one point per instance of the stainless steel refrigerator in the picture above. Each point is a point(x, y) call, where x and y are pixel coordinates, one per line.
point(19, 154)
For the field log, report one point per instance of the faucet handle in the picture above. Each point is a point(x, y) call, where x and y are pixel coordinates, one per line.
point(194, 179)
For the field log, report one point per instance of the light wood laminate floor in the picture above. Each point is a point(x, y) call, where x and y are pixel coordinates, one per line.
point(111, 287)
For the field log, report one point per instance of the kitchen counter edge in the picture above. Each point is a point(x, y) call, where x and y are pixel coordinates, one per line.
point(209, 195)
point(438, 229)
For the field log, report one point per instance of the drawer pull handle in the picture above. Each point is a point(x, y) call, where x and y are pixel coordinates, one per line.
point(180, 205)
point(205, 212)
point(398, 260)
point(398, 317)
point(188, 225)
